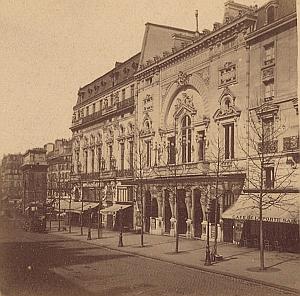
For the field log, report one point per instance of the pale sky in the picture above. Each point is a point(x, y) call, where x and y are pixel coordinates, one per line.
point(49, 48)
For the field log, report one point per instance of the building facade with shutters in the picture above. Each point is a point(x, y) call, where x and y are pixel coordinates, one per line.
point(11, 181)
point(272, 142)
point(59, 159)
point(34, 169)
point(103, 140)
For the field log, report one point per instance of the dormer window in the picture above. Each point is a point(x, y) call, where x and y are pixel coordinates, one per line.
point(148, 81)
point(270, 14)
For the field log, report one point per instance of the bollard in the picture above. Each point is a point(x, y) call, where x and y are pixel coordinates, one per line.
point(120, 240)
point(89, 236)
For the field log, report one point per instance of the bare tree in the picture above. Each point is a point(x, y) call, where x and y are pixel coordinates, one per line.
point(220, 165)
point(266, 181)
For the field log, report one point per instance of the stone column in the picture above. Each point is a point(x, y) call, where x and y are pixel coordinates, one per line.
point(193, 212)
point(188, 203)
point(159, 219)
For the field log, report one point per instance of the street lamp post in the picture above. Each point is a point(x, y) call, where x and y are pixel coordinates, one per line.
point(89, 236)
point(59, 196)
point(121, 228)
point(101, 165)
point(207, 254)
point(70, 207)
point(81, 193)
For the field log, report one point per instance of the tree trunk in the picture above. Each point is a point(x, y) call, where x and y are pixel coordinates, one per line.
point(261, 236)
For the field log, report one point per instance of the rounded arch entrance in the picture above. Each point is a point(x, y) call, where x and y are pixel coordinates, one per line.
point(181, 211)
point(198, 213)
point(151, 209)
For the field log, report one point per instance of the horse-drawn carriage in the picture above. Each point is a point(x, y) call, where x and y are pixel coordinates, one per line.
point(35, 217)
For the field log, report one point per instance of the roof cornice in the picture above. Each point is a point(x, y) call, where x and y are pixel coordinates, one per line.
point(272, 26)
point(208, 40)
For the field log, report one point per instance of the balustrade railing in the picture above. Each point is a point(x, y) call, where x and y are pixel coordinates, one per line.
point(111, 109)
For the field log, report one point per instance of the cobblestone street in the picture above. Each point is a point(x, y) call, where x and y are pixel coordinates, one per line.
point(47, 264)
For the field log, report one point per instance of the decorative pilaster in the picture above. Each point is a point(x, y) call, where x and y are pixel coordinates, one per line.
point(188, 203)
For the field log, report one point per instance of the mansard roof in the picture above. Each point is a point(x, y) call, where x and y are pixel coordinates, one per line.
point(159, 39)
point(236, 18)
point(283, 9)
point(123, 71)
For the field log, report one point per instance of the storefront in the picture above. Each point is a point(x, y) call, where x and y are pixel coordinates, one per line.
point(112, 216)
point(280, 221)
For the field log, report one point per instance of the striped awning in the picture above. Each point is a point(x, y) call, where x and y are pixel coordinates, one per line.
point(278, 209)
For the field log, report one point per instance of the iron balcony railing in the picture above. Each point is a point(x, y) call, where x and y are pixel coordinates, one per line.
point(268, 146)
point(291, 143)
point(125, 173)
point(119, 106)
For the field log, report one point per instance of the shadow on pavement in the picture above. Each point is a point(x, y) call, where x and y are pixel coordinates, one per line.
point(26, 267)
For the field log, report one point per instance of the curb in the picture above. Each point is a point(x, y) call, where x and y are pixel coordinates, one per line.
point(205, 269)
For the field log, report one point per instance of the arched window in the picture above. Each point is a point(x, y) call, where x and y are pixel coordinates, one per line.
point(270, 14)
point(227, 103)
point(186, 139)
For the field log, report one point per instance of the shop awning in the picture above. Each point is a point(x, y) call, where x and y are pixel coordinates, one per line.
point(114, 208)
point(76, 206)
point(281, 210)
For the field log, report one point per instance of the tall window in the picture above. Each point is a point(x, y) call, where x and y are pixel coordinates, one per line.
point(93, 160)
point(100, 105)
point(269, 177)
point(99, 158)
point(131, 155)
point(201, 145)
point(94, 107)
point(86, 161)
point(269, 54)
point(123, 94)
point(122, 148)
point(229, 141)
point(110, 153)
point(132, 91)
point(186, 139)
point(171, 150)
point(269, 90)
point(228, 200)
point(148, 155)
point(87, 110)
point(268, 129)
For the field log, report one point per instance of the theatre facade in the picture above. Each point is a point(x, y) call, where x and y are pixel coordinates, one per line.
point(181, 150)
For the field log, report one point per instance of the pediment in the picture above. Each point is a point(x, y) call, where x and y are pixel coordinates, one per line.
point(222, 114)
point(267, 108)
point(183, 105)
point(227, 93)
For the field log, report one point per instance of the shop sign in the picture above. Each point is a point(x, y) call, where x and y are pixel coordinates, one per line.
point(266, 219)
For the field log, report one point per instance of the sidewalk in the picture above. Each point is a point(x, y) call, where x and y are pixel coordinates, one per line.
point(282, 272)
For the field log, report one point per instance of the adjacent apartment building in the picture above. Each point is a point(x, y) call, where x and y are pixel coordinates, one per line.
point(34, 169)
point(103, 138)
point(11, 181)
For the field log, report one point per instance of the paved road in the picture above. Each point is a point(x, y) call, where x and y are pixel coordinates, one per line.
point(43, 264)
